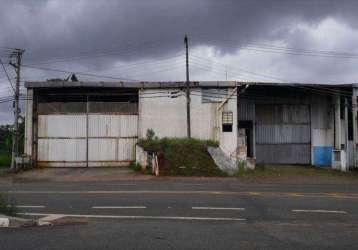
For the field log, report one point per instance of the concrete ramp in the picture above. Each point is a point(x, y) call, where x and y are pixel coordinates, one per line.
point(222, 161)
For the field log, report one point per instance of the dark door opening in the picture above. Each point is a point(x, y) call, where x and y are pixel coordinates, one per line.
point(248, 126)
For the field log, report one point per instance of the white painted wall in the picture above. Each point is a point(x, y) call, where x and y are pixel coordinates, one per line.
point(167, 117)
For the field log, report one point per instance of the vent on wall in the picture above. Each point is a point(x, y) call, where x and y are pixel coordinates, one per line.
point(227, 121)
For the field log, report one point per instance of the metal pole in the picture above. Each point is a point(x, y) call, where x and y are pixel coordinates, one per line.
point(15, 137)
point(187, 88)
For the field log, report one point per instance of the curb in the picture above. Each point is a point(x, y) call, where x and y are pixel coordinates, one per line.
point(52, 220)
point(14, 222)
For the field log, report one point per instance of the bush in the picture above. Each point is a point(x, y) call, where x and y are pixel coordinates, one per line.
point(5, 159)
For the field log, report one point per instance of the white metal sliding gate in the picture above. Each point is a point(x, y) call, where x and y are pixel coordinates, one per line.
point(86, 140)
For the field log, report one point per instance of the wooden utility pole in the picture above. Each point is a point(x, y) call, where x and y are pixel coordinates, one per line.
point(187, 88)
point(17, 54)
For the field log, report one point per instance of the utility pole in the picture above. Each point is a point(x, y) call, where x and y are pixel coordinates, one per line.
point(187, 83)
point(17, 54)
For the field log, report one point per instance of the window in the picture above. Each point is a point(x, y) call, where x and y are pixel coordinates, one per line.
point(227, 120)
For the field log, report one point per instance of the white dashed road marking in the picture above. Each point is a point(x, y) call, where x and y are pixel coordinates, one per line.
point(137, 217)
point(218, 208)
point(318, 211)
point(25, 206)
point(119, 207)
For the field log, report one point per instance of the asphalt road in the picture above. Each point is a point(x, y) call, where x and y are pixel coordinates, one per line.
point(186, 214)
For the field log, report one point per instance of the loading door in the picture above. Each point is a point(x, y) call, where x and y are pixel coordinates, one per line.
point(283, 134)
point(86, 133)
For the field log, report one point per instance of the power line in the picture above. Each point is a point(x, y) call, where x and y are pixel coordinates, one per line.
point(7, 75)
point(79, 73)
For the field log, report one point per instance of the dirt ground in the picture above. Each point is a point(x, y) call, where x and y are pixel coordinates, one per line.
point(76, 174)
point(261, 175)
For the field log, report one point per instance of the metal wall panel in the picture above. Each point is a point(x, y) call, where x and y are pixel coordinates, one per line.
point(68, 126)
point(103, 126)
point(112, 125)
point(126, 149)
point(280, 134)
point(246, 110)
point(283, 153)
point(64, 150)
point(102, 149)
point(350, 154)
point(283, 133)
point(63, 140)
point(128, 125)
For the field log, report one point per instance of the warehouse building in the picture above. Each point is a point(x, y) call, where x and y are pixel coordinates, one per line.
point(93, 124)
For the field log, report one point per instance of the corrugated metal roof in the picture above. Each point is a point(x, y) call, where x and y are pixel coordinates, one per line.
point(178, 84)
point(120, 84)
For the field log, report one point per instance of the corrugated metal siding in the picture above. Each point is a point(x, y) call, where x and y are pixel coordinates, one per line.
point(126, 149)
point(283, 153)
point(112, 125)
point(283, 133)
point(62, 141)
point(350, 153)
point(69, 126)
point(322, 111)
point(246, 110)
point(61, 150)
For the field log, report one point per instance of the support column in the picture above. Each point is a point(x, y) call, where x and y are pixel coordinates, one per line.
point(354, 120)
point(346, 165)
point(337, 123)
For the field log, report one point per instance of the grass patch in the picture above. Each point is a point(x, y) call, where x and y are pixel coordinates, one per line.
point(5, 160)
point(282, 171)
point(7, 207)
point(135, 167)
point(183, 156)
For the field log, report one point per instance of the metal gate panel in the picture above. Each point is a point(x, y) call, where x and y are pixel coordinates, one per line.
point(283, 133)
point(102, 149)
point(66, 126)
point(283, 153)
point(112, 125)
point(71, 150)
point(126, 149)
point(63, 141)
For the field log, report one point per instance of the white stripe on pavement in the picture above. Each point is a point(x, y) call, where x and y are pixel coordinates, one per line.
point(219, 208)
point(318, 211)
point(136, 217)
point(25, 206)
point(119, 207)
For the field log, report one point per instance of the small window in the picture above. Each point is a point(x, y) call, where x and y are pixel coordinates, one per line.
point(227, 121)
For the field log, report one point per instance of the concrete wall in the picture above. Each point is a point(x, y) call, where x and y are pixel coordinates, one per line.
point(167, 117)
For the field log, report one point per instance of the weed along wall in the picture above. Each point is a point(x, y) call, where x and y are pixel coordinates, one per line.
point(179, 156)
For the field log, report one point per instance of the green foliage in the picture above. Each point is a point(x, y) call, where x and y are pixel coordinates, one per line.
point(134, 166)
point(183, 156)
point(150, 135)
point(5, 159)
point(290, 172)
point(6, 143)
point(6, 207)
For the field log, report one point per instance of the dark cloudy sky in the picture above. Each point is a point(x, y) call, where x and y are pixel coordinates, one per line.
point(259, 40)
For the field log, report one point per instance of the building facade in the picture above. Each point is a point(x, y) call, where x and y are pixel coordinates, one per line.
point(93, 124)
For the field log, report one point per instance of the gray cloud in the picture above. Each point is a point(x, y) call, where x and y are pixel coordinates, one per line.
point(103, 36)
